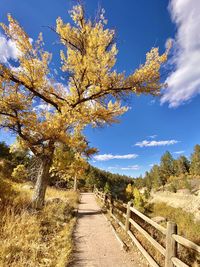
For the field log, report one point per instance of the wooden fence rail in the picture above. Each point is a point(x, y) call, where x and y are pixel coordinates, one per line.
point(172, 239)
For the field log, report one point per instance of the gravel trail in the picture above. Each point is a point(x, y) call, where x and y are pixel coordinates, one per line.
point(95, 242)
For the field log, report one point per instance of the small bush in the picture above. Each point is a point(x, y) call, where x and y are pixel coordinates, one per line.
point(107, 188)
point(139, 200)
point(6, 167)
point(20, 173)
point(173, 187)
point(146, 194)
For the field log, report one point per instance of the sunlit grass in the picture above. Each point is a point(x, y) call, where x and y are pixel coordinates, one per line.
point(187, 227)
point(30, 238)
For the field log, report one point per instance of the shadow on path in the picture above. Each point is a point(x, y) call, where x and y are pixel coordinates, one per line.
point(95, 243)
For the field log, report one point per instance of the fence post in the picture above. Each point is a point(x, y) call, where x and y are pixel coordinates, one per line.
point(104, 198)
point(128, 214)
point(111, 204)
point(171, 244)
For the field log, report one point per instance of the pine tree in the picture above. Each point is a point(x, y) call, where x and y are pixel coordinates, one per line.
point(148, 181)
point(166, 167)
point(156, 176)
point(4, 151)
point(195, 161)
point(181, 165)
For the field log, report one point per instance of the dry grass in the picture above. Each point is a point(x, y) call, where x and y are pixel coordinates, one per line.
point(30, 238)
point(187, 227)
point(186, 223)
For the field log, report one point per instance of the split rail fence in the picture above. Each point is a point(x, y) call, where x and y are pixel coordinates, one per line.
point(172, 239)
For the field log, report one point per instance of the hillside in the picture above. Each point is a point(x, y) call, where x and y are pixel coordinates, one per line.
point(188, 202)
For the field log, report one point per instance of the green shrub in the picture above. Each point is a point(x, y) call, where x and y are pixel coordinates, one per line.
point(146, 194)
point(173, 187)
point(107, 188)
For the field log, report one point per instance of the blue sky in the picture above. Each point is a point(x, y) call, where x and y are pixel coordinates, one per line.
point(152, 125)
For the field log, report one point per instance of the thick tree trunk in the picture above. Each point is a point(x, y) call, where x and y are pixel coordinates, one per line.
point(41, 183)
point(75, 183)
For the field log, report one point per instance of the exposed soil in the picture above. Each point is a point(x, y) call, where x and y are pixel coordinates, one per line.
point(188, 202)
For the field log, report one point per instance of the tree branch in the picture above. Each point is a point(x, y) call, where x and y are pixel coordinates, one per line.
point(31, 89)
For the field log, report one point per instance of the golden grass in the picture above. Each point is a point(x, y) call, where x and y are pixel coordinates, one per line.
point(29, 238)
point(187, 227)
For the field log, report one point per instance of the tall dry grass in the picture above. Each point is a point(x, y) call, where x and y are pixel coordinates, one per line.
point(188, 227)
point(29, 238)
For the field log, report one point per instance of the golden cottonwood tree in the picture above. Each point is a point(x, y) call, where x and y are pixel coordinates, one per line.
point(71, 162)
point(91, 96)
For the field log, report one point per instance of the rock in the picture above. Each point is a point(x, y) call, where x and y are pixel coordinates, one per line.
point(197, 193)
point(184, 191)
point(27, 187)
point(158, 219)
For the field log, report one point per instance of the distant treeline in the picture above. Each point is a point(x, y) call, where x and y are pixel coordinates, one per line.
point(107, 182)
point(172, 170)
point(176, 172)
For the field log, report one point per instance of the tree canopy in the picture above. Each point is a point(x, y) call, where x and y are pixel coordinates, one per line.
point(91, 94)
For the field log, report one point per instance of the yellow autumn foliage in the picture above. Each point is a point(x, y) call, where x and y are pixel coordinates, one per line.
point(42, 111)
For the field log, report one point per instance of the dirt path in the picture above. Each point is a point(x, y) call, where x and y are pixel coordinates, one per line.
point(95, 242)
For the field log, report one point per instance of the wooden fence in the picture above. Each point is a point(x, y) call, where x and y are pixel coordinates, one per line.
point(172, 239)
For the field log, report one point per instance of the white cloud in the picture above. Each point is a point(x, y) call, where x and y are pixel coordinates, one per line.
point(146, 143)
point(16, 69)
point(55, 71)
point(128, 168)
point(105, 157)
point(184, 81)
point(151, 165)
point(43, 107)
point(8, 50)
point(179, 152)
point(152, 102)
point(152, 136)
point(59, 87)
point(133, 167)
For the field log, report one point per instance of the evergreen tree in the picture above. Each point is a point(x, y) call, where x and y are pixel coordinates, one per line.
point(166, 167)
point(195, 161)
point(181, 165)
point(148, 181)
point(156, 177)
point(4, 151)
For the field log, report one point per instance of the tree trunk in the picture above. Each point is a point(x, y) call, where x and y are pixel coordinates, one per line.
point(41, 183)
point(75, 183)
